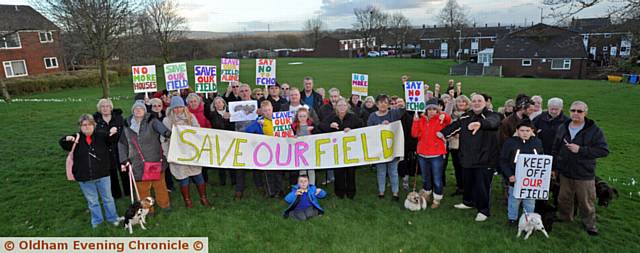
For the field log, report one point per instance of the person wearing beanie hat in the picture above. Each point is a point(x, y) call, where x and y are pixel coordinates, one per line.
point(140, 143)
point(524, 142)
point(179, 115)
point(431, 148)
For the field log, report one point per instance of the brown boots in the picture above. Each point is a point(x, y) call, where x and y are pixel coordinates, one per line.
point(185, 196)
point(201, 191)
point(203, 195)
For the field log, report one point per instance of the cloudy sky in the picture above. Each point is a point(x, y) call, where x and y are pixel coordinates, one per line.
point(258, 15)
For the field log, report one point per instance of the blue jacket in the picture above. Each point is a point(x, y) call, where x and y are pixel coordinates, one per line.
point(254, 127)
point(293, 199)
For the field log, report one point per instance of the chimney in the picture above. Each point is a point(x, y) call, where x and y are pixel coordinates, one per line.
point(486, 25)
point(474, 25)
point(498, 24)
point(423, 26)
point(434, 26)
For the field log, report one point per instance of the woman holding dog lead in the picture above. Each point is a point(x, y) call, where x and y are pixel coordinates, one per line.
point(140, 148)
point(178, 114)
point(431, 148)
point(91, 163)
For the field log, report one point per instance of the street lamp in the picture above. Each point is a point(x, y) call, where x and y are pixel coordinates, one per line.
point(459, 53)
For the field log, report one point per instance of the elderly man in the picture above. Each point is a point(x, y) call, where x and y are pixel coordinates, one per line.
point(326, 111)
point(577, 145)
point(285, 91)
point(232, 93)
point(547, 123)
point(295, 103)
point(309, 96)
point(479, 153)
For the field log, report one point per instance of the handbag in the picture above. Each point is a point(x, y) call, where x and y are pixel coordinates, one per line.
point(152, 170)
point(69, 162)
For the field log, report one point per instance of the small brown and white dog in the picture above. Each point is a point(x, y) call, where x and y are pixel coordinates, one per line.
point(137, 213)
point(530, 222)
point(415, 202)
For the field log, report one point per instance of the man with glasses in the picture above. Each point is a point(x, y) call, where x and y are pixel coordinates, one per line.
point(577, 145)
point(285, 91)
point(232, 93)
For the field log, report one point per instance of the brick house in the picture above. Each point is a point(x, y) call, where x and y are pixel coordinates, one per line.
point(605, 42)
point(444, 43)
point(30, 44)
point(541, 51)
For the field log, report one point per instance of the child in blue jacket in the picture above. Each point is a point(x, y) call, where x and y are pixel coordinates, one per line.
point(303, 200)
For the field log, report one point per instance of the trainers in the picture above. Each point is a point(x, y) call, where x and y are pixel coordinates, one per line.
point(592, 232)
point(462, 206)
point(481, 217)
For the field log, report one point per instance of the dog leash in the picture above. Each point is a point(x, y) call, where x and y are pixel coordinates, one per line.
point(415, 176)
point(526, 215)
point(132, 181)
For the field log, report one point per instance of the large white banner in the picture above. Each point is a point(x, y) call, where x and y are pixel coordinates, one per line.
point(226, 149)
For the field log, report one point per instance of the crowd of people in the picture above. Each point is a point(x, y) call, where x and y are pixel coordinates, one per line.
point(479, 141)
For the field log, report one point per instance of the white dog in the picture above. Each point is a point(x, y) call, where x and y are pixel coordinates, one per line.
point(415, 202)
point(530, 222)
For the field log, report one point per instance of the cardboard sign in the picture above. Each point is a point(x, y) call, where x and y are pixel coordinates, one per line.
point(243, 110)
point(229, 70)
point(359, 84)
point(175, 76)
point(236, 150)
point(414, 96)
point(533, 176)
point(144, 78)
point(282, 124)
point(205, 77)
point(265, 72)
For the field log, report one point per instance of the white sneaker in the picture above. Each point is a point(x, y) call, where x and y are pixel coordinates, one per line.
point(481, 217)
point(462, 206)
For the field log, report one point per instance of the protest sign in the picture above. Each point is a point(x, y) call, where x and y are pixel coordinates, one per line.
point(175, 76)
point(229, 70)
point(359, 84)
point(144, 78)
point(414, 96)
point(205, 78)
point(282, 124)
point(533, 176)
point(243, 110)
point(225, 149)
point(265, 72)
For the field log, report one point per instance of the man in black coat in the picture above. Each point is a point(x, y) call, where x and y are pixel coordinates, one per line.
point(547, 123)
point(478, 153)
point(309, 96)
point(577, 145)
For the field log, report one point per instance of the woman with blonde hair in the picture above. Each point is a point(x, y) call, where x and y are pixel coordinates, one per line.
point(177, 114)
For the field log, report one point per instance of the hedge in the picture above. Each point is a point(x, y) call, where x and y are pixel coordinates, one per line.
point(55, 81)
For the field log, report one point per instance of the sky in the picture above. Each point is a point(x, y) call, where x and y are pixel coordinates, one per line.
point(287, 15)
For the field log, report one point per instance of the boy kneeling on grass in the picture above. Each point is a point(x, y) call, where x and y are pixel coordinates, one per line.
point(303, 200)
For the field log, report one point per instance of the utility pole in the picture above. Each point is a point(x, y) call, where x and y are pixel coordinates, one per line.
point(541, 16)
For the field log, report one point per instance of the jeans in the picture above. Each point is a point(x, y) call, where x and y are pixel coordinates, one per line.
point(514, 205)
point(197, 179)
point(432, 172)
point(391, 168)
point(91, 189)
point(330, 176)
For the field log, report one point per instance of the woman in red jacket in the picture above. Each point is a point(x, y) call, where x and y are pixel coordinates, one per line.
point(431, 148)
point(196, 107)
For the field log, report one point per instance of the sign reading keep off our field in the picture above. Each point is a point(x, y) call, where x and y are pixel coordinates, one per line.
point(175, 75)
point(225, 149)
point(533, 176)
point(144, 78)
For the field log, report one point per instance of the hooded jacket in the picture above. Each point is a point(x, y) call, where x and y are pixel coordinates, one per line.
point(292, 199)
point(593, 145)
point(425, 130)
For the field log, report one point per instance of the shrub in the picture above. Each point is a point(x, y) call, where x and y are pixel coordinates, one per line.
point(54, 81)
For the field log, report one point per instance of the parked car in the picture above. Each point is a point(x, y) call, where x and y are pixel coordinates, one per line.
point(373, 54)
point(384, 53)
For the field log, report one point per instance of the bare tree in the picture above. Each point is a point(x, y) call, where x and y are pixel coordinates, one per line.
point(314, 29)
point(454, 17)
point(621, 9)
point(399, 28)
point(166, 24)
point(100, 23)
point(370, 25)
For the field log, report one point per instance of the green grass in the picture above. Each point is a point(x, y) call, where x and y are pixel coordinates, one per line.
point(37, 200)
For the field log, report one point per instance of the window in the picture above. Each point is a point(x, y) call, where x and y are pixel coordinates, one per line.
point(607, 35)
point(474, 51)
point(10, 41)
point(46, 37)
point(493, 38)
point(51, 63)
point(526, 62)
point(561, 64)
point(15, 68)
point(605, 48)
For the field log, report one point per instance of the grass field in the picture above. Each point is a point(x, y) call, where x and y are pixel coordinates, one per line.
point(36, 199)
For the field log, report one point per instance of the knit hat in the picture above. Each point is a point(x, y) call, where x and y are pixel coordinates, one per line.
point(176, 101)
point(139, 103)
point(432, 103)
